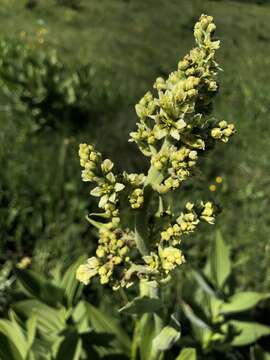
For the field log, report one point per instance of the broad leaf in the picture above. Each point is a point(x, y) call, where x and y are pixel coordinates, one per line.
point(49, 320)
point(79, 316)
point(203, 283)
point(166, 338)
point(242, 301)
point(31, 325)
point(70, 284)
point(70, 348)
point(147, 334)
point(40, 288)
point(220, 264)
point(141, 305)
point(8, 351)
point(16, 340)
point(257, 353)
point(106, 324)
point(248, 332)
point(202, 331)
point(193, 318)
point(187, 354)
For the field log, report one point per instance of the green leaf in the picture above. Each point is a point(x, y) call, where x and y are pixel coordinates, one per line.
point(79, 316)
point(202, 282)
point(257, 353)
point(193, 318)
point(49, 320)
point(103, 323)
point(220, 264)
point(187, 354)
point(201, 330)
point(147, 334)
point(70, 348)
point(31, 324)
point(142, 305)
point(15, 337)
point(40, 288)
point(97, 224)
point(70, 284)
point(249, 332)
point(166, 338)
point(243, 301)
point(7, 350)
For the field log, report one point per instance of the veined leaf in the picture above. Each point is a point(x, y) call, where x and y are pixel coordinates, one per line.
point(141, 305)
point(202, 331)
point(166, 338)
point(220, 264)
point(243, 301)
point(50, 321)
point(193, 318)
point(70, 348)
point(8, 351)
point(147, 334)
point(187, 354)
point(202, 282)
point(40, 288)
point(79, 315)
point(31, 325)
point(16, 340)
point(249, 332)
point(70, 284)
point(106, 324)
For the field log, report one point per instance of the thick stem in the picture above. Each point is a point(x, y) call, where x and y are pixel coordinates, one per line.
point(141, 219)
point(141, 224)
point(152, 290)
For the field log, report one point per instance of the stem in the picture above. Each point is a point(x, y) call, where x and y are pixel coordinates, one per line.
point(141, 219)
point(135, 341)
point(141, 224)
point(147, 288)
point(152, 290)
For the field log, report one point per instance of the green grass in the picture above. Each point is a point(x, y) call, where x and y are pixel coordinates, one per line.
point(130, 43)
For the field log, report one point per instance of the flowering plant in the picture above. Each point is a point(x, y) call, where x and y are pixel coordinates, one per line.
point(139, 235)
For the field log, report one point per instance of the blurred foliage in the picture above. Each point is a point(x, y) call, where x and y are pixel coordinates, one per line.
point(6, 282)
point(52, 321)
point(48, 106)
point(223, 320)
point(51, 317)
point(73, 4)
point(35, 81)
point(127, 48)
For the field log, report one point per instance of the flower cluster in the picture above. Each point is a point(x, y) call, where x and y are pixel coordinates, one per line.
point(174, 129)
point(175, 164)
point(112, 258)
point(162, 263)
point(100, 172)
point(188, 221)
point(178, 114)
point(223, 132)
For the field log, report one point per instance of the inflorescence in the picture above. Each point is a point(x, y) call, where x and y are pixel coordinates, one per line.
point(174, 130)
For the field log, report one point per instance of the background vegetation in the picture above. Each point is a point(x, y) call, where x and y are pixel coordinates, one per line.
point(71, 71)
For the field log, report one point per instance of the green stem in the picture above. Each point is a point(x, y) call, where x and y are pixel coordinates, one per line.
point(135, 341)
point(152, 290)
point(141, 219)
point(141, 224)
